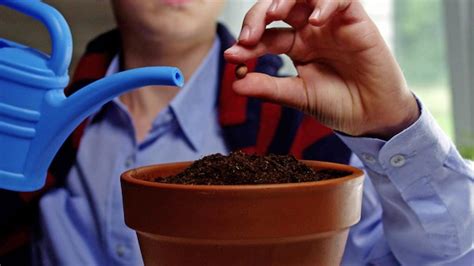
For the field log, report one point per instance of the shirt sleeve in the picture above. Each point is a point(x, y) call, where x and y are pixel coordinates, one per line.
point(426, 192)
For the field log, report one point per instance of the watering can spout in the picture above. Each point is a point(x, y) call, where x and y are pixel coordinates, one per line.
point(84, 102)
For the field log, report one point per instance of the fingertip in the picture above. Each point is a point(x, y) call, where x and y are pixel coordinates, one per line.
point(232, 59)
point(315, 18)
point(240, 86)
point(244, 33)
point(247, 85)
point(231, 50)
point(232, 55)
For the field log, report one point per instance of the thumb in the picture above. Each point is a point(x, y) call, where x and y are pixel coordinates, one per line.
point(289, 91)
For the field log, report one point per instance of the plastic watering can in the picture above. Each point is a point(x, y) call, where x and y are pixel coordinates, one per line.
point(35, 115)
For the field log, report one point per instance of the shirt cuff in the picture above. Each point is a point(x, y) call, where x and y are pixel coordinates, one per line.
point(413, 153)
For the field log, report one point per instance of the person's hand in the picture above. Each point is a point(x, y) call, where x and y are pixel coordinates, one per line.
point(347, 77)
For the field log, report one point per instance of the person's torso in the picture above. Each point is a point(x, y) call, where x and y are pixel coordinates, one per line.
point(83, 221)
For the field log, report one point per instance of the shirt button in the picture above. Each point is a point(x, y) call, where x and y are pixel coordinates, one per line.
point(120, 250)
point(398, 160)
point(368, 158)
point(129, 161)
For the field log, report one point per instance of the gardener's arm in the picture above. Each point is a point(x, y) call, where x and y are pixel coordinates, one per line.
point(349, 80)
point(426, 192)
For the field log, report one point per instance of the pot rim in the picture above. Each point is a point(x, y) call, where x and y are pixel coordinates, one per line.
point(356, 176)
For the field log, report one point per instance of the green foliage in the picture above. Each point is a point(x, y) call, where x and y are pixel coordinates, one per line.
point(420, 41)
point(467, 152)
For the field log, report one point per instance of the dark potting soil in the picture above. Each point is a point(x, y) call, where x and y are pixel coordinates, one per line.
point(242, 169)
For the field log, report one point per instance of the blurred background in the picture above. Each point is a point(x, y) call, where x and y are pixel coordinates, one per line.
point(432, 40)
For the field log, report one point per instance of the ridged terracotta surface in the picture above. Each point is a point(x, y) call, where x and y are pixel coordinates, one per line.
point(285, 224)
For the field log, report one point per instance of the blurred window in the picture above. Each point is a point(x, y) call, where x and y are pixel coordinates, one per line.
point(420, 48)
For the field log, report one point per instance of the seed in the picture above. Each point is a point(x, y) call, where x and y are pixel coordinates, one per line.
point(241, 71)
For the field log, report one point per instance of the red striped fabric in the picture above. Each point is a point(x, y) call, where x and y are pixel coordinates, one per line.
point(91, 66)
point(309, 132)
point(15, 240)
point(269, 118)
point(232, 107)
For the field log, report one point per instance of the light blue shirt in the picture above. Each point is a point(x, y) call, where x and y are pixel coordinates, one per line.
point(417, 204)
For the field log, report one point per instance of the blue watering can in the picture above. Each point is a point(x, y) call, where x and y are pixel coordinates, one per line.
point(35, 115)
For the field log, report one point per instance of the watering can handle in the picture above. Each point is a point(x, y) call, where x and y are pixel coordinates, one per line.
point(58, 29)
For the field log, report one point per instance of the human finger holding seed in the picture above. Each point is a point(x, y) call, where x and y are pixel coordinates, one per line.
point(347, 76)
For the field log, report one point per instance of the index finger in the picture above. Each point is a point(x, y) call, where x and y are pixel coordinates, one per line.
point(254, 23)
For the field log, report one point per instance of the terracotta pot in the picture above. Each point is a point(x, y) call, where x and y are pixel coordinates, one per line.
point(283, 224)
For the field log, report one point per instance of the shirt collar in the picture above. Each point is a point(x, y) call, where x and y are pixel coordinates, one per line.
point(114, 66)
point(195, 105)
point(196, 102)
